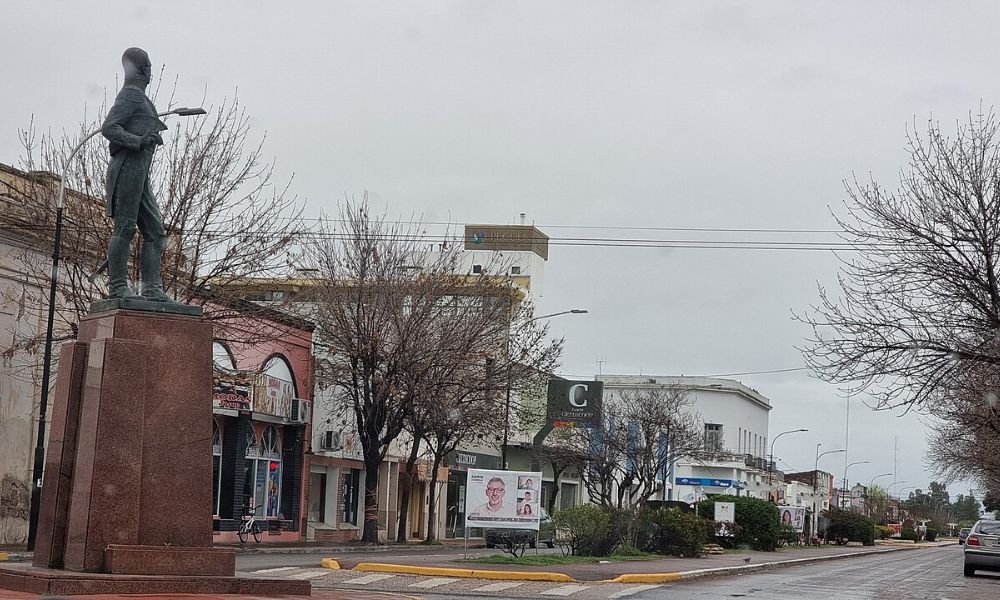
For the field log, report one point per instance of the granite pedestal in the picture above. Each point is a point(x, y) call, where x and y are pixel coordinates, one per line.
point(127, 490)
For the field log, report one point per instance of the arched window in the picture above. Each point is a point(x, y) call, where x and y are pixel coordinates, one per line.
point(216, 462)
point(222, 358)
point(277, 366)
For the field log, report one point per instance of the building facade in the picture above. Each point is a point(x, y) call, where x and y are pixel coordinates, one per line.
point(262, 410)
point(736, 433)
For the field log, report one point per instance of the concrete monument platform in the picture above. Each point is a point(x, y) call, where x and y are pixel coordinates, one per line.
point(21, 577)
point(126, 503)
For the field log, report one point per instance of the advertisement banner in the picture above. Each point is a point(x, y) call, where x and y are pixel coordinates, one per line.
point(274, 396)
point(794, 516)
point(725, 512)
point(574, 403)
point(502, 499)
point(232, 390)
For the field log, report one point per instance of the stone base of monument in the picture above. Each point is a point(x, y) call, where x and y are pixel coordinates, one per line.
point(58, 582)
point(126, 503)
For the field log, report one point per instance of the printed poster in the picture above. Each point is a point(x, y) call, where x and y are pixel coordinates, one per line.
point(502, 499)
point(793, 515)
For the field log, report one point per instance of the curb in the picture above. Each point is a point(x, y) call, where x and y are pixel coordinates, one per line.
point(12, 556)
point(669, 577)
point(465, 573)
point(739, 570)
point(329, 563)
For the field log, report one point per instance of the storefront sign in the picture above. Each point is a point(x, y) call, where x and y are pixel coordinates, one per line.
point(503, 499)
point(273, 396)
point(709, 482)
point(794, 516)
point(232, 391)
point(574, 403)
point(463, 461)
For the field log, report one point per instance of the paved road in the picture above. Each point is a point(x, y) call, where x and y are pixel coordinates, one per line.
point(924, 574)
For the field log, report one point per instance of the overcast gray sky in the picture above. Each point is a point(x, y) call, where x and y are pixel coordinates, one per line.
point(589, 114)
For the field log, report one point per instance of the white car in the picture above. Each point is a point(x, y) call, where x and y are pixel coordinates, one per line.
point(982, 547)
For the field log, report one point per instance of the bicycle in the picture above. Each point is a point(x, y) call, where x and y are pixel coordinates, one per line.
point(249, 526)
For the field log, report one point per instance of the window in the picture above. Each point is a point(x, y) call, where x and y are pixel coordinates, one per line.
point(713, 437)
point(222, 357)
point(477, 269)
point(264, 471)
point(216, 463)
point(515, 270)
point(352, 479)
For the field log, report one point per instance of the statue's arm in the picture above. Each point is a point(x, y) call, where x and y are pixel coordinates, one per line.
point(129, 101)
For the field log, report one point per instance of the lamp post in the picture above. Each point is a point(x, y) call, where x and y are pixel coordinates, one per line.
point(815, 482)
point(506, 410)
point(860, 462)
point(872, 482)
point(770, 459)
point(39, 458)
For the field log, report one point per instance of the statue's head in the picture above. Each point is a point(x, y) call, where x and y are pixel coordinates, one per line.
point(136, 62)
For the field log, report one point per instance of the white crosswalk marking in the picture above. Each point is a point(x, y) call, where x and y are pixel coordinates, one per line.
point(433, 582)
point(565, 590)
point(310, 574)
point(276, 570)
point(633, 590)
point(499, 587)
point(369, 579)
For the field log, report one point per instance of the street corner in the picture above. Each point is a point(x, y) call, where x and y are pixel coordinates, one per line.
point(330, 563)
point(647, 578)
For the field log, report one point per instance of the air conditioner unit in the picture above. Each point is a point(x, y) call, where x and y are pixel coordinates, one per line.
point(300, 411)
point(331, 440)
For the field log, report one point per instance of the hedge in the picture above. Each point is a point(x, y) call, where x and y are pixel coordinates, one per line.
point(758, 524)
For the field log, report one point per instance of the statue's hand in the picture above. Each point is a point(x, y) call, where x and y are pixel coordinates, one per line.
point(151, 139)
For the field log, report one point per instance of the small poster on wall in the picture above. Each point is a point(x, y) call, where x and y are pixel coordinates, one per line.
point(725, 512)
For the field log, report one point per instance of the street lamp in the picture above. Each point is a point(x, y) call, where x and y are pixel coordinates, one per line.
point(819, 455)
point(506, 410)
point(770, 459)
point(39, 458)
point(860, 462)
point(872, 482)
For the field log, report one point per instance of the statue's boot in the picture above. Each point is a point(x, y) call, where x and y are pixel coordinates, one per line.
point(118, 269)
point(152, 284)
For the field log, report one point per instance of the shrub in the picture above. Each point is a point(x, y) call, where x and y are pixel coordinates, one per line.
point(758, 523)
point(670, 531)
point(909, 533)
point(849, 526)
point(589, 530)
point(883, 532)
point(931, 534)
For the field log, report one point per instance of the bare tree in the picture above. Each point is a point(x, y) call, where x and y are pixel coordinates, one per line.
point(918, 308)
point(226, 219)
point(640, 436)
point(413, 336)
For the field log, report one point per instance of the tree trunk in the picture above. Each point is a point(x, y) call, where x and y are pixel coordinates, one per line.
point(369, 533)
point(407, 481)
point(557, 472)
point(432, 499)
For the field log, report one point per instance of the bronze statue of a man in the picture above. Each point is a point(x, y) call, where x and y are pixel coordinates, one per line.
point(133, 129)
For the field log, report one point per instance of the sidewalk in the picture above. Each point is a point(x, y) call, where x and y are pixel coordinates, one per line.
point(634, 571)
point(320, 594)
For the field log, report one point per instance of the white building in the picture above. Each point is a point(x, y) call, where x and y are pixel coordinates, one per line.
point(736, 436)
